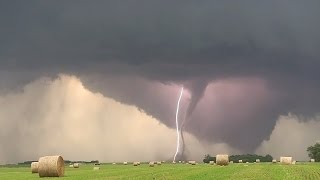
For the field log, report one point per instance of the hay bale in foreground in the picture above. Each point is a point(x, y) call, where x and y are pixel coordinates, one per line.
point(76, 165)
point(312, 160)
point(222, 159)
point(257, 160)
point(274, 161)
point(240, 161)
point(211, 162)
point(34, 167)
point(286, 160)
point(51, 166)
point(125, 163)
point(96, 168)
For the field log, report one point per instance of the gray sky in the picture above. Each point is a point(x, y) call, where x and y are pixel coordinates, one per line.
point(259, 59)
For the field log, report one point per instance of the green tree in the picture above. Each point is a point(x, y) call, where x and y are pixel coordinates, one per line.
point(314, 152)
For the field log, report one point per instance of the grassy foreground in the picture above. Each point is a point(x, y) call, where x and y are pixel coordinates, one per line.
point(177, 171)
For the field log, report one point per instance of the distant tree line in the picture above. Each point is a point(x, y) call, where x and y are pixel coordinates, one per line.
point(65, 161)
point(244, 157)
point(314, 152)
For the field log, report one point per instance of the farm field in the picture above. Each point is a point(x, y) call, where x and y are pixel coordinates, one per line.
point(175, 171)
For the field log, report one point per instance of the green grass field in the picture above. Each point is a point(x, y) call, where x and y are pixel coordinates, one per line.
point(177, 171)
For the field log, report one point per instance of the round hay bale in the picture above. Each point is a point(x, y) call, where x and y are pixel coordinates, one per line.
point(231, 162)
point(312, 160)
point(114, 163)
point(274, 161)
point(211, 162)
point(179, 161)
point(71, 166)
point(51, 166)
point(76, 165)
point(159, 162)
point(173, 162)
point(286, 160)
point(138, 162)
point(257, 160)
point(192, 162)
point(222, 159)
point(34, 167)
point(240, 161)
point(135, 163)
point(125, 163)
point(96, 168)
point(294, 162)
point(151, 164)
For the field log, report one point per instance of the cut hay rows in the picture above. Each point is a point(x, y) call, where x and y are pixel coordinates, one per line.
point(222, 159)
point(286, 160)
point(51, 166)
point(34, 167)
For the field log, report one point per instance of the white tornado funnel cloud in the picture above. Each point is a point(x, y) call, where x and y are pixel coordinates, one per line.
point(177, 126)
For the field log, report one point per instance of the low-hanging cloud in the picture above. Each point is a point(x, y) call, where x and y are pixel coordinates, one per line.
point(291, 137)
point(60, 116)
point(139, 52)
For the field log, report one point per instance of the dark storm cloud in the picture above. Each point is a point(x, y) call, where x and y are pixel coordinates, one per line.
point(172, 41)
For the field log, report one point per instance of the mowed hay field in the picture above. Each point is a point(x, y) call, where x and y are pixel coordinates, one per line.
point(176, 171)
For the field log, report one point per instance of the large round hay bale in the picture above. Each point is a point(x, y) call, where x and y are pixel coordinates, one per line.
point(240, 161)
point(51, 166)
point(159, 162)
point(135, 163)
point(71, 166)
point(192, 162)
point(257, 160)
point(34, 167)
point(76, 165)
point(211, 162)
point(312, 160)
point(151, 164)
point(222, 159)
point(96, 168)
point(274, 161)
point(286, 160)
point(125, 163)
